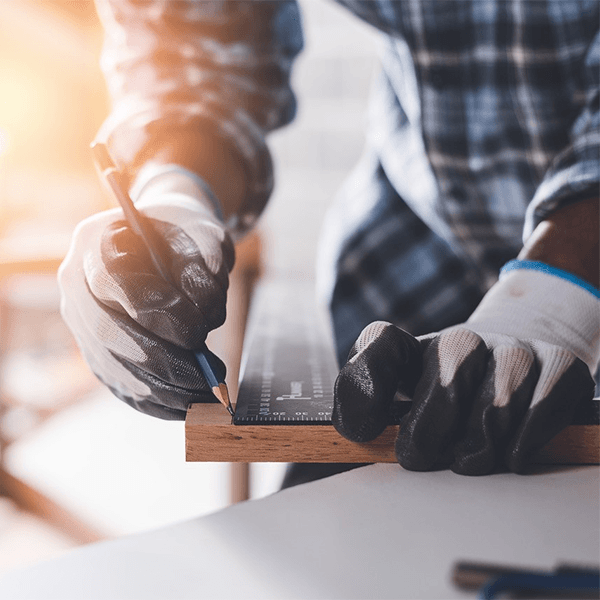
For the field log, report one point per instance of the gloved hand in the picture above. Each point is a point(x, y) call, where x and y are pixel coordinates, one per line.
point(488, 393)
point(135, 330)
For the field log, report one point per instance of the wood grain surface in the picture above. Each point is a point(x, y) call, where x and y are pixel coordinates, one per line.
point(211, 437)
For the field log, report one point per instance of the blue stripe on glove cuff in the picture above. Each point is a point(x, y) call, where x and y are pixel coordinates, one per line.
point(535, 265)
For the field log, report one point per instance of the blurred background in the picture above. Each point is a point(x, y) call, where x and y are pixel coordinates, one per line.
point(78, 465)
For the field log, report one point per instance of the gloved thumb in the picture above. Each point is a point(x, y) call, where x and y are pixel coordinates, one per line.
point(384, 359)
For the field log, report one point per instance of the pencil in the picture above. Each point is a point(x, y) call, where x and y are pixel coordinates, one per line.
point(144, 230)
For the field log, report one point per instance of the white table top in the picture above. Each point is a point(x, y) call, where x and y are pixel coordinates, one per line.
point(376, 532)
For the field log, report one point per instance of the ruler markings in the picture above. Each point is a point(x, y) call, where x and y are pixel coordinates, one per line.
point(289, 368)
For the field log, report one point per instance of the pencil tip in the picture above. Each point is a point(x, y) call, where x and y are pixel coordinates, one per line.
point(225, 393)
point(222, 394)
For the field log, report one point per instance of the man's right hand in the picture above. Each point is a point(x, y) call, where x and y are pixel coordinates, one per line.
point(136, 330)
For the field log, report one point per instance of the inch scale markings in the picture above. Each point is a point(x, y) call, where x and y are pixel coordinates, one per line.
point(289, 369)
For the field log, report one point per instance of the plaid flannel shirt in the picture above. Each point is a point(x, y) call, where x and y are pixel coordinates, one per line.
point(485, 120)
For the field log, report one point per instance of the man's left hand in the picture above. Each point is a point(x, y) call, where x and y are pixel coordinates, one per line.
point(486, 394)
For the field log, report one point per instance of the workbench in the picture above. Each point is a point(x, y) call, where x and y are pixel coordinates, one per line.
point(374, 532)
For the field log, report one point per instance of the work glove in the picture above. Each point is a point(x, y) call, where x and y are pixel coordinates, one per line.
point(136, 330)
point(486, 394)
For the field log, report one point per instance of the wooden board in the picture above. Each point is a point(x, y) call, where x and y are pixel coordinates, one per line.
point(210, 436)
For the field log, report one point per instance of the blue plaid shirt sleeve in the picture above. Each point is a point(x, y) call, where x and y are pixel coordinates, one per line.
point(218, 69)
point(574, 173)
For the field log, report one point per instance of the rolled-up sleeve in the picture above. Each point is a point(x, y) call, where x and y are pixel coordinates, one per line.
point(574, 174)
point(216, 69)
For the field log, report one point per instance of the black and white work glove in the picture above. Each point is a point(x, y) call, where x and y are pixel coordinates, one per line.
point(486, 394)
point(136, 330)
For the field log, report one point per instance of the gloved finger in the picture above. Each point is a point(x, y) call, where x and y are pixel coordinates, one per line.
point(564, 382)
point(156, 410)
point(153, 356)
point(454, 363)
point(148, 407)
point(201, 227)
point(499, 405)
point(90, 325)
point(383, 359)
point(167, 401)
point(136, 366)
point(123, 277)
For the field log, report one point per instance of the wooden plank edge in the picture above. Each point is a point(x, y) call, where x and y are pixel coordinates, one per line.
point(211, 437)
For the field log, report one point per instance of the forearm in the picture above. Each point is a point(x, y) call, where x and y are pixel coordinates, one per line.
point(568, 240)
point(200, 84)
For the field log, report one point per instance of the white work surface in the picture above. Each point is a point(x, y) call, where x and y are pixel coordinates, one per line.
point(376, 532)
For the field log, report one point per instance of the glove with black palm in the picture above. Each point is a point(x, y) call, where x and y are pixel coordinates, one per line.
point(136, 330)
point(488, 393)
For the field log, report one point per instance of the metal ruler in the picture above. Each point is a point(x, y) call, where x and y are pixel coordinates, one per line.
point(289, 366)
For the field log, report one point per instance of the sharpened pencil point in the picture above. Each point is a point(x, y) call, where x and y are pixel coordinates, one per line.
point(222, 394)
point(225, 394)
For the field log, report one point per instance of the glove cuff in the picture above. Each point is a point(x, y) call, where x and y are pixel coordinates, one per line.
point(154, 179)
point(536, 301)
point(535, 265)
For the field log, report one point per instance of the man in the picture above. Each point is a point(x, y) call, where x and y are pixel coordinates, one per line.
point(484, 132)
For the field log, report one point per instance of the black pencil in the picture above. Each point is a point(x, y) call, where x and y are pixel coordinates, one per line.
point(143, 229)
